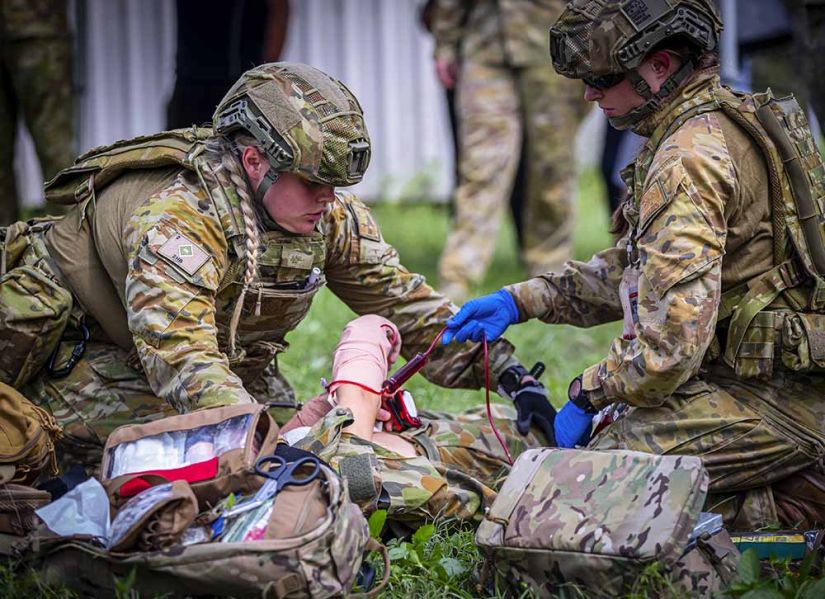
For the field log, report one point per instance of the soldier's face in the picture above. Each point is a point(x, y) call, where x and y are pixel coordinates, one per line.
point(297, 204)
point(293, 202)
point(621, 98)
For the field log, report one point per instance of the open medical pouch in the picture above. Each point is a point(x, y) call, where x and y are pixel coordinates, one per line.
point(213, 449)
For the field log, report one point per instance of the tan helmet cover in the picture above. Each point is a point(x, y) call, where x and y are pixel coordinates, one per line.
point(306, 121)
point(593, 38)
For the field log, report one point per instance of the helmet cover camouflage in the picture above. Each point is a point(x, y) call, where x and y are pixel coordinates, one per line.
point(593, 38)
point(305, 121)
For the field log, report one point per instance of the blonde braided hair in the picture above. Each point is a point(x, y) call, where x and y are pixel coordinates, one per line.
point(225, 153)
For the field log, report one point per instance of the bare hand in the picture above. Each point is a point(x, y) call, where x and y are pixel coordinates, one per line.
point(447, 72)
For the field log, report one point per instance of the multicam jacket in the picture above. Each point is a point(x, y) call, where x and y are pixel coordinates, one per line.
point(700, 224)
point(176, 261)
point(512, 32)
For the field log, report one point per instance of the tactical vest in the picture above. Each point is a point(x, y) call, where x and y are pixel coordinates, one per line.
point(757, 332)
point(291, 267)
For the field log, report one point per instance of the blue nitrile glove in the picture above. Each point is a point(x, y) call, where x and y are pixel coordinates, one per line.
point(490, 314)
point(572, 426)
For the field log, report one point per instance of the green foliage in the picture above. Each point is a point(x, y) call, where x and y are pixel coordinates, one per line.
point(20, 582)
point(437, 561)
point(376, 522)
point(778, 579)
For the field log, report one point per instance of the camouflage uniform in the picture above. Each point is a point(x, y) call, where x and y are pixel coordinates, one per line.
point(154, 264)
point(507, 95)
point(459, 465)
point(701, 225)
point(35, 80)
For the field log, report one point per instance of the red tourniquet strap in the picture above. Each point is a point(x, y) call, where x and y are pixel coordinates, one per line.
point(192, 473)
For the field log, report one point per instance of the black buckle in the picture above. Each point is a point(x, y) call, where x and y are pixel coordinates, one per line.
point(77, 353)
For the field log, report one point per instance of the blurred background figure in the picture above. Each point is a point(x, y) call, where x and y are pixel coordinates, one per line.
point(495, 55)
point(217, 41)
point(35, 89)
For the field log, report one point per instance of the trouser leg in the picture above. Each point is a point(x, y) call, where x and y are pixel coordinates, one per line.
point(8, 133)
point(102, 392)
point(551, 108)
point(490, 138)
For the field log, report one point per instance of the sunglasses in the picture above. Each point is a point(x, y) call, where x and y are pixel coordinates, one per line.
point(604, 81)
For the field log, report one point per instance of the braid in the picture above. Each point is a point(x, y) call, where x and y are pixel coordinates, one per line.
point(225, 153)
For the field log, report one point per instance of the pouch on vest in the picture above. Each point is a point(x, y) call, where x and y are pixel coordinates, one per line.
point(213, 449)
point(597, 518)
point(34, 307)
point(797, 194)
point(313, 545)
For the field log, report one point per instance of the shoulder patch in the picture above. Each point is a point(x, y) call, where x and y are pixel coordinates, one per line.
point(367, 228)
point(653, 199)
point(184, 253)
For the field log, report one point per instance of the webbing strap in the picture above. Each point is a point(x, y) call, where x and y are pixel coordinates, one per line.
point(762, 291)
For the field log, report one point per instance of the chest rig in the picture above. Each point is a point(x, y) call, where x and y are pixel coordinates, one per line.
point(291, 272)
point(758, 332)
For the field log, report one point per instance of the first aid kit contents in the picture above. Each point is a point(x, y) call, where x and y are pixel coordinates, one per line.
point(176, 449)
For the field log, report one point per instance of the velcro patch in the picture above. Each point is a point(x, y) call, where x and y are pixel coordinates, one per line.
point(367, 228)
point(184, 253)
point(295, 258)
point(652, 201)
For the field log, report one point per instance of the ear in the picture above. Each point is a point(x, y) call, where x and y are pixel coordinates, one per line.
point(254, 165)
point(657, 67)
point(661, 63)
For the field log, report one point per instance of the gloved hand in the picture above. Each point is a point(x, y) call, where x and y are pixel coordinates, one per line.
point(490, 314)
point(572, 426)
point(530, 399)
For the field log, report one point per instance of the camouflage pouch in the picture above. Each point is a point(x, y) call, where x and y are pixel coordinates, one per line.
point(314, 545)
point(213, 449)
point(34, 307)
point(597, 519)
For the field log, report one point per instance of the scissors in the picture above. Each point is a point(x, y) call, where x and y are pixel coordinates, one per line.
point(278, 474)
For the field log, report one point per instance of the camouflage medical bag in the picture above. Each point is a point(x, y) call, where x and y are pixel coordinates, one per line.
point(314, 546)
point(596, 520)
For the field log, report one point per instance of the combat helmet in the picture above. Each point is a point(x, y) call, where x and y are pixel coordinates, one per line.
point(602, 42)
point(305, 121)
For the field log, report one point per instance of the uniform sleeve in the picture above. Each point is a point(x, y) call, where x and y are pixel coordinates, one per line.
point(449, 17)
point(583, 294)
point(681, 240)
point(364, 271)
point(177, 256)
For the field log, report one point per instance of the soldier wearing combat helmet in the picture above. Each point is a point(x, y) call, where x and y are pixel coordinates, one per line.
point(718, 275)
point(191, 254)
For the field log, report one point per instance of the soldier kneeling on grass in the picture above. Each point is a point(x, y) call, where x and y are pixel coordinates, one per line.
point(719, 274)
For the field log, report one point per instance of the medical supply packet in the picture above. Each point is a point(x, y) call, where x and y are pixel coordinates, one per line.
point(213, 449)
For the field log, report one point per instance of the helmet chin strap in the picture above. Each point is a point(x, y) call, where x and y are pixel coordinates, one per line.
point(269, 178)
point(653, 101)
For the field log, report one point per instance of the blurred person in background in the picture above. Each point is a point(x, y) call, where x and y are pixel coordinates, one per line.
point(35, 89)
point(494, 54)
